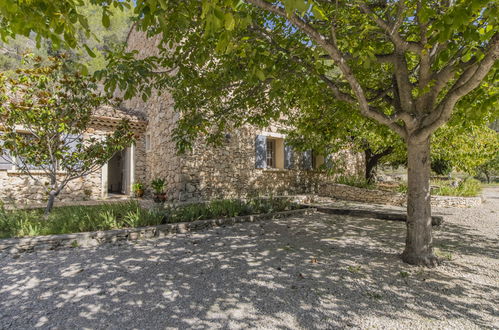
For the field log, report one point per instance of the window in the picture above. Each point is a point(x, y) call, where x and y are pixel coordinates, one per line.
point(271, 153)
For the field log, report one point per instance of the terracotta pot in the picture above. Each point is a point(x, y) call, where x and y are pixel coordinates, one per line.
point(138, 193)
point(160, 198)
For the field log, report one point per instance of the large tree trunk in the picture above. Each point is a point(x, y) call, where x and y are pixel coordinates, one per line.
point(418, 248)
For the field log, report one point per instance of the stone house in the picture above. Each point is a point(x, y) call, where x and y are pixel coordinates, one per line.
point(253, 161)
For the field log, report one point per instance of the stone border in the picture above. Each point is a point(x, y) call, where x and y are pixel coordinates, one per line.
point(89, 239)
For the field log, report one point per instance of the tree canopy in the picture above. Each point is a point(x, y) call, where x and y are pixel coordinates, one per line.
point(405, 64)
point(99, 39)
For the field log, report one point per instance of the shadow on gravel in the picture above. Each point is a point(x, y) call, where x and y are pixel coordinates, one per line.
point(312, 272)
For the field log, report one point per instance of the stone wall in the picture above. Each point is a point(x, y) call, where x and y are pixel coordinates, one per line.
point(229, 170)
point(18, 188)
point(345, 192)
point(161, 159)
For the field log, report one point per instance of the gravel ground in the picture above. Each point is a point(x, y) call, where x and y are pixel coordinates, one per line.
point(317, 271)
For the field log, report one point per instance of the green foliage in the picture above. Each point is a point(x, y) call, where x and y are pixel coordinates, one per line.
point(137, 186)
point(355, 181)
point(489, 168)
point(465, 144)
point(91, 47)
point(158, 185)
point(402, 188)
point(228, 208)
point(468, 187)
point(61, 22)
point(73, 219)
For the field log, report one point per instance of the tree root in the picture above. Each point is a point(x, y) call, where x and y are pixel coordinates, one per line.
point(427, 260)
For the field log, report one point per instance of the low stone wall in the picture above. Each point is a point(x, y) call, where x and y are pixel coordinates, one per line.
point(20, 189)
point(89, 239)
point(345, 192)
point(342, 191)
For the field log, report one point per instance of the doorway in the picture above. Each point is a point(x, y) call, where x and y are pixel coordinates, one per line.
point(118, 173)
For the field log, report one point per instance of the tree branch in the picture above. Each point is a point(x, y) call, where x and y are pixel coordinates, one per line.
point(330, 46)
point(469, 80)
point(392, 30)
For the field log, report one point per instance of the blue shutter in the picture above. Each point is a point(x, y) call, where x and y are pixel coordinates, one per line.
point(5, 159)
point(288, 156)
point(307, 163)
point(261, 151)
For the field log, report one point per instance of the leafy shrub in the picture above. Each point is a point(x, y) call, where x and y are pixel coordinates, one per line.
point(469, 187)
point(466, 188)
point(158, 185)
point(355, 181)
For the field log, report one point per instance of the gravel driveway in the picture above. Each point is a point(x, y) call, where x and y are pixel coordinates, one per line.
point(317, 271)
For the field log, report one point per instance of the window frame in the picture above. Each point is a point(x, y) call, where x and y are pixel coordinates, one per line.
point(270, 142)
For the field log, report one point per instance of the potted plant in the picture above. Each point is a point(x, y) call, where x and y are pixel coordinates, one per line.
point(159, 190)
point(138, 189)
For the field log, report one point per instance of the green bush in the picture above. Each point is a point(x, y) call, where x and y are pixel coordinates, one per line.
point(469, 187)
point(73, 219)
point(466, 188)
